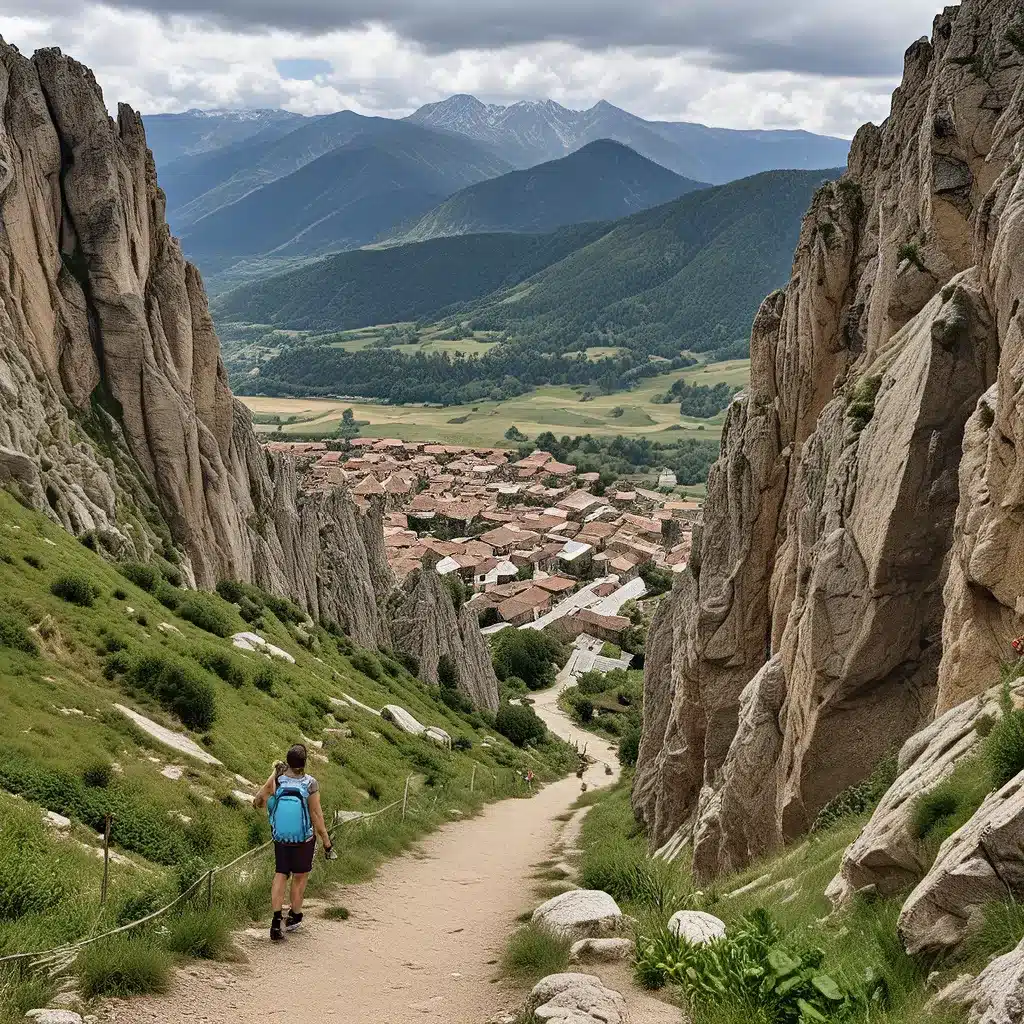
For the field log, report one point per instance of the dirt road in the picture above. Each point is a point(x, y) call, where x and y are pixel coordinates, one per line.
point(423, 938)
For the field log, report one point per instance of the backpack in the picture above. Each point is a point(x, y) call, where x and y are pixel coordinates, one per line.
point(289, 810)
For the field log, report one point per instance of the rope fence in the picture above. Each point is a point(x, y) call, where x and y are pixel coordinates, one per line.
point(59, 958)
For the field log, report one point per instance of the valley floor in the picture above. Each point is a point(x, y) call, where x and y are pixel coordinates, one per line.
point(424, 937)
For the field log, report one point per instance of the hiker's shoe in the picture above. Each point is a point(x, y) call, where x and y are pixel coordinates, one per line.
point(276, 935)
point(293, 921)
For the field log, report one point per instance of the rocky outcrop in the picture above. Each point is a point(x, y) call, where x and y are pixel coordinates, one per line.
point(575, 999)
point(997, 994)
point(851, 513)
point(980, 864)
point(884, 858)
point(117, 415)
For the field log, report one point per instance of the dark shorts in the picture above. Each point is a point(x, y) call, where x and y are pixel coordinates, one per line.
point(294, 858)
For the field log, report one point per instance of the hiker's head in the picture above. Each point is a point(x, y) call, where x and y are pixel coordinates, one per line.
point(296, 758)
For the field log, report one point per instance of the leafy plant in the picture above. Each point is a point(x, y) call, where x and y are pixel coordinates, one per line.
point(75, 588)
point(911, 251)
point(861, 408)
point(1004, 747)
point(142, 574)
point(206, 612)
point(15, 635)
point(519, 723)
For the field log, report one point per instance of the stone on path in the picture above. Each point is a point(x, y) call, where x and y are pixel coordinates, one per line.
point(604, 951)
point(696, 926)
point(575, 999)
point(580, 913)
point(54, 1017)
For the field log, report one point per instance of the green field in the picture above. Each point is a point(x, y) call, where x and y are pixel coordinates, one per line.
point(431, 341)
point(558, 409)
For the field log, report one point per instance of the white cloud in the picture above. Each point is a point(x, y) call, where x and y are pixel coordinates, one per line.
point(172, 63)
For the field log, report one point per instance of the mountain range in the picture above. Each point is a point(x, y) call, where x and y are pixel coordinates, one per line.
point(237, 181)
point(686, 274)
point(529, 132)
point(604, 180)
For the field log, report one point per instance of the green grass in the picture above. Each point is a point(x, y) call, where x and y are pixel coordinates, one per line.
point(950, 805)
point(335, 913)
point(123, 967)
point(532, 953)
point(65, 748)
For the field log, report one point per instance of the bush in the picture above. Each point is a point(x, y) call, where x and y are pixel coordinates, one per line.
point(180, 688)
point(447, 672)
point(147, 577)
point(169, 596)
point(232, 591)
point(1004, 747)
point(941, 812)
point(98, 775)
point(33, 561)
point(365, 662)
point(204, 935)
point(75, 588)
point(519, 723)
point(15, 634)
point(223, 665)
point(123, 967)
point(335, 913)
point(629, 748)
point(30, 879)
point(529, 654)
point(265, 678)
point(205, 611)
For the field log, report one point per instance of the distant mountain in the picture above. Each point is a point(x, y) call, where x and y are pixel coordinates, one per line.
point(529, 132)
point(689, 274)
point(385, 173)
point(192, 132)
point(686, 275)
point(407, 282)
point(604, 180)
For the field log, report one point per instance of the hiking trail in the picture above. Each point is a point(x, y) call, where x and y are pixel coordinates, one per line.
point(424, 936)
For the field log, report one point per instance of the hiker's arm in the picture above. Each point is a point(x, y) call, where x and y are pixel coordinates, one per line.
point(259, 801)
point(316, 812)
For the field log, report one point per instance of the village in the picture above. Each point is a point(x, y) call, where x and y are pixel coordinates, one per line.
point(531, 541)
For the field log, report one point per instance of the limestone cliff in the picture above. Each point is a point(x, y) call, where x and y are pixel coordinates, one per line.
point(855, 569)
point(116, 412)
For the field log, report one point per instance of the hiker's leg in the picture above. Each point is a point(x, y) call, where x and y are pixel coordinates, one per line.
point(298, 891)
point(277, 892)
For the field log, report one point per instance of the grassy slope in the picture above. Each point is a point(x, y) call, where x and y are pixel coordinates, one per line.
point(790, 885)
point(57, 721)
point(558, 409)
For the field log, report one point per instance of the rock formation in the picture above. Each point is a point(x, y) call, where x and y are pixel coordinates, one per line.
point(858, 564)
point(117, 415)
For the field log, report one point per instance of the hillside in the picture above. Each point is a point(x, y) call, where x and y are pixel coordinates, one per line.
point(344, 199)
point(80, 669)
point(530, 132)
point(602, 181)
point(408, 282)
point(689, 274)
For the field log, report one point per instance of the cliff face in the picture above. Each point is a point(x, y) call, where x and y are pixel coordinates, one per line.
point(857, 563)
point(117, 415)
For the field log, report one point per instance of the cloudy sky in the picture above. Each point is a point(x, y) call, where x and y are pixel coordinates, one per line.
point(822, 66)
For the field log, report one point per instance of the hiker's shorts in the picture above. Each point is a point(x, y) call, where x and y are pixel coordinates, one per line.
point(294, 858)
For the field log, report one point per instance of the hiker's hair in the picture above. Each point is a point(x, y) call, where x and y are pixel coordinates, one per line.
point(296, 757)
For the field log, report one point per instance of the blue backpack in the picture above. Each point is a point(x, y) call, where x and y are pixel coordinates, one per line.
point(289, 810)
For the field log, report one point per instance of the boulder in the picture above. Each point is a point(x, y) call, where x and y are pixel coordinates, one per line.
point(438, 735)
point(696, 926)
point(979, 864)
point(575, 999)
point(600, 951)
point(401, 718)
point(50, 1016)
point(580, 913)
point(997, 995)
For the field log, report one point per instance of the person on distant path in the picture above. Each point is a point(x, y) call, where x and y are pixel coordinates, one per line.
point(296, 819)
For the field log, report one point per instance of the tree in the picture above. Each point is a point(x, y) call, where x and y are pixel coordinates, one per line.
point(515, 434)
point(530, 654)
point(348, 426)
point(519, 723)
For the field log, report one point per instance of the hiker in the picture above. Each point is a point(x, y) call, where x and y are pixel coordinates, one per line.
point(292, 799)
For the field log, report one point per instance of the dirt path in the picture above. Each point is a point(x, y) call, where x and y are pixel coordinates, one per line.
point(423, 939)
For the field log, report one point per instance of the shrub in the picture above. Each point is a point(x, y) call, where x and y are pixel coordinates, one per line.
point(145, 576)
point(365, 662)
point(179, 688)
point(232, 591)
point(629, 748)
point(941, 812)
point(98, 775)
point(335, 913)
point(223, 665)
point(462, 743)
point(533, 952)
point(457, 589)
point(447, 672)
point(75, 588)
point(15, 635)
point(122, 967)
point(33, 561)
point(410, 663)
point(120, 595)
point(861, 408)
point(30, 879)
point(168, 596)
point(452, 698)
point(529, 654)
point(519, 723)
point(205, 611)
point(204, 935)
point(266, 677)
point(1004, 747)
point(911, 251)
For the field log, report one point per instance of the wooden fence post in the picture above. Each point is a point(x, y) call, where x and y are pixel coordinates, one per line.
point(472, 779)
point(405, 797)
point(209, 889)
point(106, 858)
